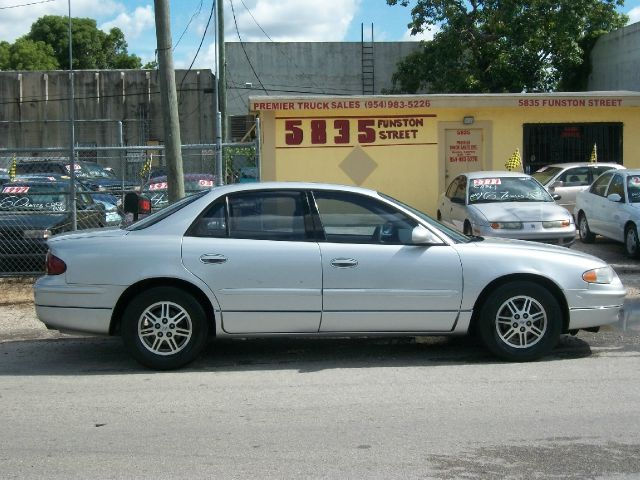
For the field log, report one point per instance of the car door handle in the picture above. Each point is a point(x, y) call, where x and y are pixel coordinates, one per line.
point(212, 258)
point(344, 263)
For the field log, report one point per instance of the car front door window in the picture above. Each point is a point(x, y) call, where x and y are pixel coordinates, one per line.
point(352, 218)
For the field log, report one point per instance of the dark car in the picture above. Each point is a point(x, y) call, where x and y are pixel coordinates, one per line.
point(95, 176)
point(31, 211)
point(156, 189)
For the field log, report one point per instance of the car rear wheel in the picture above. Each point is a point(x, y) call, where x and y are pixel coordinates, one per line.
point(164, 328)
point(520, 321)
point(586, 235)
point(631, 242)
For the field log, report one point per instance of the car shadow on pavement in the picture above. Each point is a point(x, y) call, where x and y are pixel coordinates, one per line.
point(100, 355)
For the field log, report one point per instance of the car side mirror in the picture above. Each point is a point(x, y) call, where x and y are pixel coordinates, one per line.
point(422, 236)
point(614, 197)
point(556, 197)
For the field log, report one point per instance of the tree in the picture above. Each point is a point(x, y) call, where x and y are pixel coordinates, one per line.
point(4, 55)
point(92, 48)
point(26, 54)
point(504, 46)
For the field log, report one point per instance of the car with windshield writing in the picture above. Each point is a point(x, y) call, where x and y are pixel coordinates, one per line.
point(31, 211)
point(505, 204)
point(611, 208)
point(157, 189)
point(565, 180)
point(315, 260)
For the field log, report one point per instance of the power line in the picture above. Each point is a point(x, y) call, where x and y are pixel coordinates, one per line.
point(213, 3)
point(282, 50)
point(244, 49)
point(196, 13)
point(26, 4)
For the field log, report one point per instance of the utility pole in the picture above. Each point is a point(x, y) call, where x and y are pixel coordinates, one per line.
point(171, 120)
point(222, 81)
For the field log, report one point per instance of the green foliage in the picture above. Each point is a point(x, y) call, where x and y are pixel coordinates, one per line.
point(46, 47)
point(152, 65)
point(4, 55)
point(496, 46)
point(26, 54)
point(92, 48)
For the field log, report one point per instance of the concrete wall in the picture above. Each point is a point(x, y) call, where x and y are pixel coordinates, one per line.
point(616, 61)
point(314, 68)
point(34, 109)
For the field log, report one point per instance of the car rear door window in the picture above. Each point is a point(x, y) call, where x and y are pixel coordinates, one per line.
point(268, 215)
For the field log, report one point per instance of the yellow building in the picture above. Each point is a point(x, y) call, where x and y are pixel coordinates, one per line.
point(411, 146)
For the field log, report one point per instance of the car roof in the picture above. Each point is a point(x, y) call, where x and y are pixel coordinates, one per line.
point(494, 173)
point(583, 164)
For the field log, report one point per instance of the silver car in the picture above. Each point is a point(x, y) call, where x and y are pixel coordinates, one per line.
point(611, 208)
point(277, 259)
point(565, 180)
point(507, 205)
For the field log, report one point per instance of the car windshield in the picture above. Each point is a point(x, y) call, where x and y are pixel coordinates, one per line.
point(24, 197)
point(633, 188)
point(157, 189)
point(506, 189)
point(96, 171)
point(545, 174)
point(454, 235)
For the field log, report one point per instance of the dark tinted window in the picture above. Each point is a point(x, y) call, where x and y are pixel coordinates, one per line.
point(277, 215)
point(353, 218)
point(213, 223)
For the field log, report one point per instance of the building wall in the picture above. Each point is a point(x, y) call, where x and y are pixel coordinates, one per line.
point(411, 147)
point(34, 110)
point(300, 68)
point(616, 60)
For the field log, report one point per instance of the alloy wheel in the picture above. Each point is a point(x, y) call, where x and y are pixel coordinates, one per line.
point(165, 328)
point(521, 322)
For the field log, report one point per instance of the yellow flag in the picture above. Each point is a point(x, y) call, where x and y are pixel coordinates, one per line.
point(146, 167)
point(12, 170)
point(514, 162)
point(594, 154)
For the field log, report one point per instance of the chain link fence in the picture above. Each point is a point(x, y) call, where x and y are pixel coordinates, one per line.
point(38, 199)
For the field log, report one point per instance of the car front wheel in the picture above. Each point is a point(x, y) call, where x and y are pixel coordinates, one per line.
point(586, 235)
point(631, 242)
point(164, 328)
point(520, 321)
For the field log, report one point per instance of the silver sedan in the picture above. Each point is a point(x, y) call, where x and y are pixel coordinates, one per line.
point(275, 259)
point(507, 205)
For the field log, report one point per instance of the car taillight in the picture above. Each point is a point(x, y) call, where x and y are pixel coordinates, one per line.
point(54, 265)
point(144, 205)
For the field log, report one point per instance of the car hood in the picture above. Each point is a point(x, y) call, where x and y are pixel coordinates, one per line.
point(533, 248)
point(10, 220)
point(521, 211)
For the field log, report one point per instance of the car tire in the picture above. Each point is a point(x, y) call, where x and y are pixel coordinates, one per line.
point(631, 243)
point(164, 328)
point(586, 235)
point(520, 321)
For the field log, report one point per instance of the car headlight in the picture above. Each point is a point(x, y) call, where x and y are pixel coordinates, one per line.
point(599, 275)
point(37, 233)
point(557, 224)
point(506, 225)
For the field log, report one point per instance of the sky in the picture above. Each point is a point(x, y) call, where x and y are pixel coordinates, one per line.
point(256, 20)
